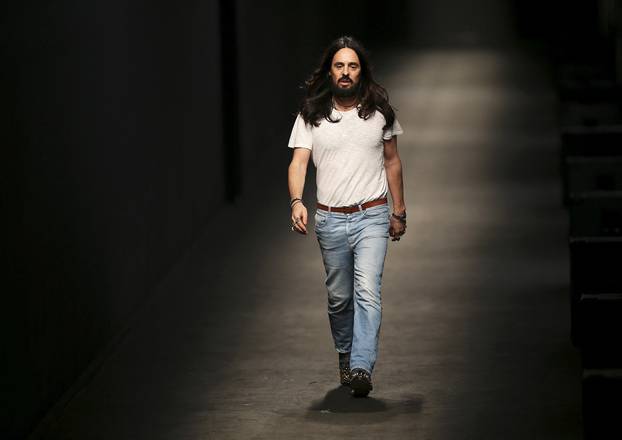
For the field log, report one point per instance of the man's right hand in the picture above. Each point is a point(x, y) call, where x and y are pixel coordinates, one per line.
point(299, 218)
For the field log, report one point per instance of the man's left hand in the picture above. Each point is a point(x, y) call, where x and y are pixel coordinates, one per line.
point(397, 228)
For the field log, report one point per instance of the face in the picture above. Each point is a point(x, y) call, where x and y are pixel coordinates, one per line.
point(345, 71)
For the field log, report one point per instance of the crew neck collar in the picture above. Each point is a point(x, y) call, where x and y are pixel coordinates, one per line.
point(356, 107)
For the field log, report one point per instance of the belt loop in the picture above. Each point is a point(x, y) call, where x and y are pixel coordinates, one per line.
point(329, 209)
point(360, 208)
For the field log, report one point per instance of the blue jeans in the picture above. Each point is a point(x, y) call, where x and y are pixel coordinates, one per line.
point(353, 248)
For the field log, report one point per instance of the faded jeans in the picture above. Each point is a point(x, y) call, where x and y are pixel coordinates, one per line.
point(353, 248)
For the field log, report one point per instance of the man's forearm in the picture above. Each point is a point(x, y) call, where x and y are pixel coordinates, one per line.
point(296, 179)
point(396, 185)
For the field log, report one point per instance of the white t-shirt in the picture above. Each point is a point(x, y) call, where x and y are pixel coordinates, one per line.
point(348, 155)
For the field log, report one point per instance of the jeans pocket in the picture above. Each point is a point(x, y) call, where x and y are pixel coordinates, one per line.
point(377, 212)
point(320, 219)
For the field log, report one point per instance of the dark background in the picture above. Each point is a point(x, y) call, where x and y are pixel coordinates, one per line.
point(130, 124)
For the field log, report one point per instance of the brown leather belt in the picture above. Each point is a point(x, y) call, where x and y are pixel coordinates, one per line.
point(351, 209)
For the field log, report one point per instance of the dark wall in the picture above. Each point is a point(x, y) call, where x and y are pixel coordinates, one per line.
point(451, 23)
point(617, 21)
point(117, 128)
point(120, 154)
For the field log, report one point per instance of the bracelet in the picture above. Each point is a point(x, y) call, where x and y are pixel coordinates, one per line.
point(294, 201)
point(401, 218)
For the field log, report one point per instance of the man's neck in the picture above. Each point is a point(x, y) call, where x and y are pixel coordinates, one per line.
point(343, 104)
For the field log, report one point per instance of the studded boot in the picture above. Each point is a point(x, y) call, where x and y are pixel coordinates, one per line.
point(344, 369)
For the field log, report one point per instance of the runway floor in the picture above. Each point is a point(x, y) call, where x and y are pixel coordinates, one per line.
point(475, 334)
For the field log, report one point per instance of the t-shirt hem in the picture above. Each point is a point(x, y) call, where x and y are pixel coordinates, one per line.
point(349, 204)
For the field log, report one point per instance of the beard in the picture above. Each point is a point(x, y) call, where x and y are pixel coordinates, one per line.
point(340, 92)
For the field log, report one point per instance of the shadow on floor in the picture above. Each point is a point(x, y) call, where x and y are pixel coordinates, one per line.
point(339, 400)
point(340, 407)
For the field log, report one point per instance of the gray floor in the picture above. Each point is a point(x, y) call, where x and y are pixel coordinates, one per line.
point(475, 333)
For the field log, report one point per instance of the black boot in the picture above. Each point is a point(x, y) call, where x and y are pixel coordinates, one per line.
point(344, 369)
point(360, 382)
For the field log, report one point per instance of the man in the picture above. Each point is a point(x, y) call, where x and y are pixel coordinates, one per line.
point(346, 122)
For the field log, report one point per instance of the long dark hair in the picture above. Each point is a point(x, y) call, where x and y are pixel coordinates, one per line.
point(318, 103)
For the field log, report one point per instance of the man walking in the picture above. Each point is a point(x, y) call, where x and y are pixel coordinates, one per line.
point(348, 125)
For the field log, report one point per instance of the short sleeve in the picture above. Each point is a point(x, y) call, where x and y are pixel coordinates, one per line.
point(301, 136)
point(395, 130)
